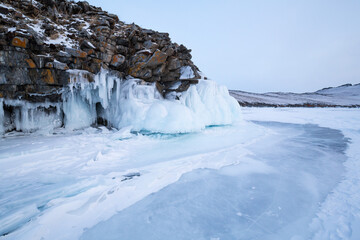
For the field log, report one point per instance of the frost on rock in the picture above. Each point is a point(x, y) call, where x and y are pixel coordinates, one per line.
point(186, 72)
point(119, 103)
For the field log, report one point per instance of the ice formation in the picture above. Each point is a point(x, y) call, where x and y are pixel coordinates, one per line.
point(25, 116)
point(1, 116)
point(123, 103)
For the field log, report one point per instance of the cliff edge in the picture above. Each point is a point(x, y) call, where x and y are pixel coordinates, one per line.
point(40, 41)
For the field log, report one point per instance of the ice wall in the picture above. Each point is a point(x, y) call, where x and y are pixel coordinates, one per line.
point(130, 103)
point(25, 116)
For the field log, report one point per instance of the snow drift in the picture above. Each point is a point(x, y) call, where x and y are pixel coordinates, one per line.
point(121, 103)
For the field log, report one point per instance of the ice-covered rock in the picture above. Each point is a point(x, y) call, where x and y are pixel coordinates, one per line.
point(120, 103)
point(52, 56)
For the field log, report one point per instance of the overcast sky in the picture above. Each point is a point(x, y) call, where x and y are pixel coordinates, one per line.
point(259, 45)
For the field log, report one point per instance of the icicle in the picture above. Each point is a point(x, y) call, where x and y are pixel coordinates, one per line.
point(29, 117)
point(17, 119)
point(110, 87)
point(132, 103)
point(118, 90)
point(78, 112)
point(2, 116)
point(24, 116)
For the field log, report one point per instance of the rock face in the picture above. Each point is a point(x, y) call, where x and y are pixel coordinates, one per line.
point(41, 40)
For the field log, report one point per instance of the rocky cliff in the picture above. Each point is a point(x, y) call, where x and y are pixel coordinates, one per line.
point(42, 41)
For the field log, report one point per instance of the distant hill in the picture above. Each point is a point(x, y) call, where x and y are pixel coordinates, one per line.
point(347, 95)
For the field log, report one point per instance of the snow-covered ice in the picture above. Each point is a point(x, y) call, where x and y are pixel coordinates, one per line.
point(279, 174)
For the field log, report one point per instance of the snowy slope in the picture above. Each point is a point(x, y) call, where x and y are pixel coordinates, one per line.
point(345, 96)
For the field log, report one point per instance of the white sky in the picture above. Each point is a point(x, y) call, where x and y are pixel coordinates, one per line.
point(259, 45)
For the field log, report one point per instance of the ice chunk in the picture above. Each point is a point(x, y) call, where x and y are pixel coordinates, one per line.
point(212, 103)
point(122, 134)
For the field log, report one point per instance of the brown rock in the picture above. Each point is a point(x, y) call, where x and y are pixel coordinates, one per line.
point(122, 42)
point(76, 52)
point(170, 51)
point(159, 70)
point(154, 79)
point(160, 87)
point(122, 50)
point(156, 59)
point(184, 86)
point(47, 76)
point(41, 60)
point(174, 63)
point(139, 72)
point(171, 76)
point(106, 58)
point(57, 65)
point(151, 45)
point(93, 66)
point(117, 60)
point(138, 46)
point(20, 42)
point(102, 29)
point(141, 56)
point(30, 63)
point(86, 44)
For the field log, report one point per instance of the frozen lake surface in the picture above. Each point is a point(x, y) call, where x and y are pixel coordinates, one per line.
point(280, 174)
